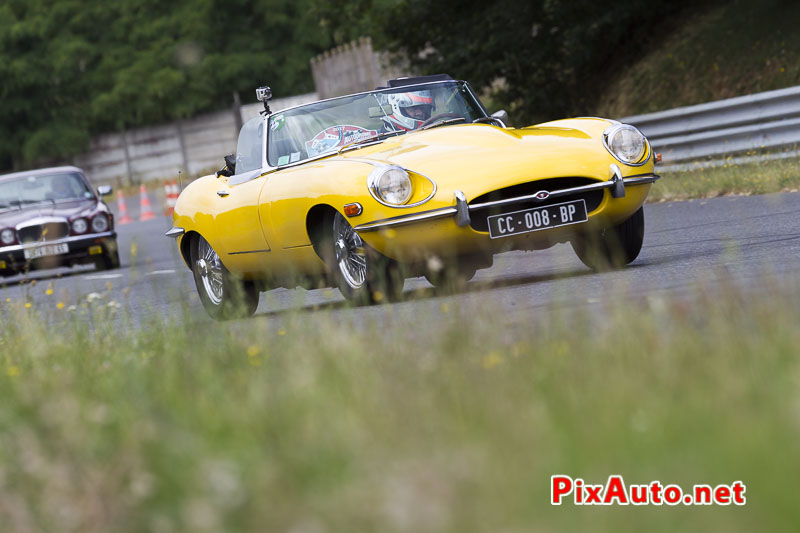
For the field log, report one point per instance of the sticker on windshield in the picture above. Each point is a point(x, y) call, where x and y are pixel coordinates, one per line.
point(336, 137)
point(277, 123)
point(283, 160)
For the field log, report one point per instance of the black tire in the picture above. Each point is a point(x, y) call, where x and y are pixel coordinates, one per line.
point(362, 274)
point(223, 295)
point(108, 261)
point(451, 277)
point(613, 247)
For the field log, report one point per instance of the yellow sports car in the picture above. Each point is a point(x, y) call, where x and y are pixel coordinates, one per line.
point(416, 178)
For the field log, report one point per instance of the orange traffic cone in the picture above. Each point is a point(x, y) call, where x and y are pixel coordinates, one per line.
point(144, 205)
point(172, 192)
point(122, 210)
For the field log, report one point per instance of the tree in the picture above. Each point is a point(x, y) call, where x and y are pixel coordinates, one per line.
point(541, 59)
point(74, 68)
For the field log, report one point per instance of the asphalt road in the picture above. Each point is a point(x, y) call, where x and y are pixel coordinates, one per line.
point(687, 245)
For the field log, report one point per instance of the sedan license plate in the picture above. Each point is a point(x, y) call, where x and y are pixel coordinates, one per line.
point(48, 249)
point(537, 218)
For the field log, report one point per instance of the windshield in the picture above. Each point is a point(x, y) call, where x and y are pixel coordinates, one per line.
point(322, 127)
point(52, 188)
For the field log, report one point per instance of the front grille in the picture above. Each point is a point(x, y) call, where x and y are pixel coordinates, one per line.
point(50, 231)
point(478, 217)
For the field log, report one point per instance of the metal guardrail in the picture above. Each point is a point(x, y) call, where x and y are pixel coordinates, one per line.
point(755, 123)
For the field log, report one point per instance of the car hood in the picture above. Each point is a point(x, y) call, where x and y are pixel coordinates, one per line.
point(457, 156)
point(14, 216)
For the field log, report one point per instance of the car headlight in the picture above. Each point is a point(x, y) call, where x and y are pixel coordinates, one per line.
point(626, 144)
point(100, 223)
point(7, 236)
point(79, 225)
point(390, 185)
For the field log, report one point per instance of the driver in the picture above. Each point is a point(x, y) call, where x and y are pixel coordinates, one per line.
point(409, 110)
point(61, 188)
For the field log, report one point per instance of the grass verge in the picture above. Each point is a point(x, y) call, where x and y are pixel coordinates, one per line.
point(757, 177)
point(389, 421)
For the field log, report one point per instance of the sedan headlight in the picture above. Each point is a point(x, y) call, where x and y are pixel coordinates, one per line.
point(79, 225)
point(100, 223)
point(390, 185)
point(626, 144)
point(7, 236)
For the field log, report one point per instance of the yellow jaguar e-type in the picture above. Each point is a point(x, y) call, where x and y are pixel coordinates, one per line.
point(416, 178)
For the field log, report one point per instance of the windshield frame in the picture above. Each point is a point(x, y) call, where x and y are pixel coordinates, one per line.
point(267, 120)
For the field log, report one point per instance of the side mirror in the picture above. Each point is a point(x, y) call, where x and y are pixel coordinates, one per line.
point(104, 190)
point(230, 166)
point(502, 116)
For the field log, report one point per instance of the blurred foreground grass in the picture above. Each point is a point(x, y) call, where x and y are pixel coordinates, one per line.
point(757, 177)
point(391, 421)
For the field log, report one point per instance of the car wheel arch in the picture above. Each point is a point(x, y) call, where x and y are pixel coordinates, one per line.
point(186, 247)
point(315, 224)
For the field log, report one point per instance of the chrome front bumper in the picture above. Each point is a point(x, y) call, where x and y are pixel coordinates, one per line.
point(461, 211)
point(174, 232)
point(69, 240)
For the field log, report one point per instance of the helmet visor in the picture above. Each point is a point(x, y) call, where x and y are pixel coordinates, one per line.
point(417, 112)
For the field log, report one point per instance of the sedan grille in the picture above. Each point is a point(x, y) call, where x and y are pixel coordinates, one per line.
point(50, 231)
point(478, 216)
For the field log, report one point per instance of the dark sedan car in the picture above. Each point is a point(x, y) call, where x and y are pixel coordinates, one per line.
point(53, 217)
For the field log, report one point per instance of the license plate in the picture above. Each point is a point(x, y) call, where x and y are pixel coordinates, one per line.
point(537, 218)
point(48, 249)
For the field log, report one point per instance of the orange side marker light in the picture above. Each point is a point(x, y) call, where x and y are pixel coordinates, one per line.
point(353, 210)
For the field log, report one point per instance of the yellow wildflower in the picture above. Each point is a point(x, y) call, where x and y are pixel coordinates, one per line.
point(492, 360)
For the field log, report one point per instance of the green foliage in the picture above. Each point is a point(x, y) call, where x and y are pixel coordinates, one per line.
point(446, 417)
point(71, 69)
point(545, 58)
point(737, 48)
point(74, 68)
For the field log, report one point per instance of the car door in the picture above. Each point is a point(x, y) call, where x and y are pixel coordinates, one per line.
point(237, 215)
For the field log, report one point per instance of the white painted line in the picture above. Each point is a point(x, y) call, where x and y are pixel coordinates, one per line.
point(157, 272)
point(103, 276)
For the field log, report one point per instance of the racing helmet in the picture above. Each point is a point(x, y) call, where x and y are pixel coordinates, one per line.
point(421, 104)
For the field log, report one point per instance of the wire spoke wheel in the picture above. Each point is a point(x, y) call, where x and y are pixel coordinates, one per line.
point(210, 269)
point(351, 256)
point(362, 274)
point(223, 294)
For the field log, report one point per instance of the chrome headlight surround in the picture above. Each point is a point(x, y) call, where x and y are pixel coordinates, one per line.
point(380, 170)
point(100, 223)
point(7, 236)
point(79, 226)
point(627, 144)
point(390, 185)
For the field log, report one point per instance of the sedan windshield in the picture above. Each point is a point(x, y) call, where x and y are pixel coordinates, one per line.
point(52, 188)
point(325, 127)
